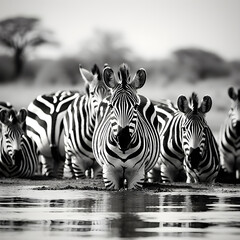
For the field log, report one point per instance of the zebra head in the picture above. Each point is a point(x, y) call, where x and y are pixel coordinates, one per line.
point(234, 113)
point(194, 127)
point(12, 132)
point(123, 103)
point(95, 86)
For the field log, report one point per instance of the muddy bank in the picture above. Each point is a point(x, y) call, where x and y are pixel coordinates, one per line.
point(97, 184)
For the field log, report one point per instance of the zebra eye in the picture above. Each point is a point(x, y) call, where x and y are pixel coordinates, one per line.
point(110, 105)
point(92, 93)
point(136, 106)
point(184, 129)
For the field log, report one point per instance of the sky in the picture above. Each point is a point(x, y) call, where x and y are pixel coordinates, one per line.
point(151, 28)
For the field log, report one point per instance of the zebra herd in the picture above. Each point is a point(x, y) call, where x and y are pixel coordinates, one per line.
point(114, 133)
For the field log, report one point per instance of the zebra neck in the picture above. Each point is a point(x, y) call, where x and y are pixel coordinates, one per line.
point(92, 106)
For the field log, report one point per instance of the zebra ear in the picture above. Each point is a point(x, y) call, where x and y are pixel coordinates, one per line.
point(109, 77)
point(22, 115)
point(232, 94)
point(86, 75)
point(182, 104)
point(3, 116)
point(206, 104)
point(139, 78)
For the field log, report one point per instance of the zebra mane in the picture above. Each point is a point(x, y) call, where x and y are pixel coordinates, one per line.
point(194, 102)
point(96, 70)
point(124, 74)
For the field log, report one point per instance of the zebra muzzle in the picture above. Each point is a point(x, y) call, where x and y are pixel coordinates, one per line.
point(17, 156)
point(194, 157)
point(238, 128)
point(124, 138)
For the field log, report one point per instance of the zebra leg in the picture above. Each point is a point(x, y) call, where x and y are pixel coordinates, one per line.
point(169, 172)
point(47, 166)
point(112, 177)
point(78, 167)
point(135, 178)
point(190, 179)
point(97, 170)
point(58, 167)
point(154, 174)
point(68, 168)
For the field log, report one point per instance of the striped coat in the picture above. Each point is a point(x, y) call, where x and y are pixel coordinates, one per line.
point(44, 125)
point(229, 137)
point(189, 150)
point(125, 140)
point(18, 156)
point(79, 124)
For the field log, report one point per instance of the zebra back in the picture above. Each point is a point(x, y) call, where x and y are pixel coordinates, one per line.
point(18, 151)
point(45, 126)
point(229, 136)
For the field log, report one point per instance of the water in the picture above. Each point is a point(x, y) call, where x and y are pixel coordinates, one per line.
point(73, 214)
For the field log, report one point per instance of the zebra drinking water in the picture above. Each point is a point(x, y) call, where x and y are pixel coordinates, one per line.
point(18, 156)
point(125, 140)
point(79, 123)
point(229, 137)
point(189, 150)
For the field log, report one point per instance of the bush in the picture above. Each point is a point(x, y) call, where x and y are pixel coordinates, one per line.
point(202, 64)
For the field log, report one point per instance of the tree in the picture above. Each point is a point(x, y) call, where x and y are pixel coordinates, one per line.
point(19, 34)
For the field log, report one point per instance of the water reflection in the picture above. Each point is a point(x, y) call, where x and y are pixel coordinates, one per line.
point(73, 214)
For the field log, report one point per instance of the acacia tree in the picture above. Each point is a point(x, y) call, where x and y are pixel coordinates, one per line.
point(19, 34)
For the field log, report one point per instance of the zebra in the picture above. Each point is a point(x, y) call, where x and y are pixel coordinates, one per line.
point(229, 136)
point(165, 110)
point(189, 151)
point(18, 156)
point(6, 106)
point(44, 124)
point(125, 139)
point(79, 123)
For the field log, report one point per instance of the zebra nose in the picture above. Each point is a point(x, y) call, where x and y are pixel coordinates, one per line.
point(124, 138)
point(238, 128)
point(194, 157)
point(17, 155)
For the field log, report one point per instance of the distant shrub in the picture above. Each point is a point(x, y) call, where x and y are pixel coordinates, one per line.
point(201, 64)
point(235, 66)
point(63, 72)
point(71, 69)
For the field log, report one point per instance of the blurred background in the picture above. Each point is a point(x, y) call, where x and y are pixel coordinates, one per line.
point(184, 45)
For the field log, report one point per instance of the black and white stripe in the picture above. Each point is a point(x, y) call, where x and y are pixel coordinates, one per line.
point(18, 151)
point(165, 111)
point(79, 124)
point(188, 148)
point(125, 140)
point(45, 126)
point(229, 137)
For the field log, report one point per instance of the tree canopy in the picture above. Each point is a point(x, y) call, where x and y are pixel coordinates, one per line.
point(20, 33)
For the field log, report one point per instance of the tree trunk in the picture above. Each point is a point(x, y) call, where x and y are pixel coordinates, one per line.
point(18, 62)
